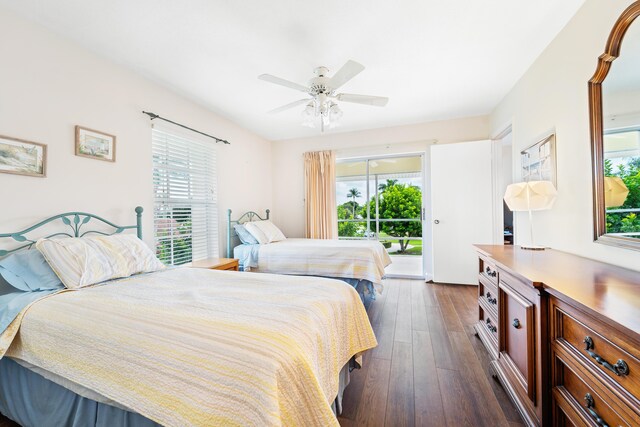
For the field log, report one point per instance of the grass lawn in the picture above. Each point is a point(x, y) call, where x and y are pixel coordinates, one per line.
point(414, 248)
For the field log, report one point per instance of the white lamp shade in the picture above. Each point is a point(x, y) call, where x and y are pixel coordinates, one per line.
point(532, 195)
point(615, 191)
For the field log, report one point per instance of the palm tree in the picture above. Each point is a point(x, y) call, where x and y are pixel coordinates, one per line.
point(354, 193)
point(389, 183)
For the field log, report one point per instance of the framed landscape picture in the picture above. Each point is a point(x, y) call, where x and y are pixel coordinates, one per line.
point(539, 161)
point(95, 145)
point(22, 157)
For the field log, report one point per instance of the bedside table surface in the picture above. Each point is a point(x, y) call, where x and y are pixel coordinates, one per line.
point(215, 263)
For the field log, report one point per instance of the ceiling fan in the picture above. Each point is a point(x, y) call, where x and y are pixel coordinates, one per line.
point(323, 97)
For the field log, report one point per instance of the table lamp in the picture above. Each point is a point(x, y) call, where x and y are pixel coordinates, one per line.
point(530, 196)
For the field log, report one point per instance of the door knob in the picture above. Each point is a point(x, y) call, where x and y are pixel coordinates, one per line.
point(436, 221)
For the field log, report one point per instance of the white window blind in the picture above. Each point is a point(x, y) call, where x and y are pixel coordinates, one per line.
point(185, 213)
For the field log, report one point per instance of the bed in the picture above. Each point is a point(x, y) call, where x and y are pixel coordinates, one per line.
point(175, 346)
point(360, 263)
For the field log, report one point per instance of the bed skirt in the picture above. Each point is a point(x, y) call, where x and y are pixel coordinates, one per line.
point(365, 288)
point(31, 400)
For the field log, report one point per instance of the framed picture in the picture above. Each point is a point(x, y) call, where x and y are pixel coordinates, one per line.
point(95, 145)
point(539, 161)
point(22, 157)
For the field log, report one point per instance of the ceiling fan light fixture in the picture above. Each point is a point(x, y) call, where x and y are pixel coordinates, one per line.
point(309, 110)
point(322, 90)
point(308, 115)
point(335, 113)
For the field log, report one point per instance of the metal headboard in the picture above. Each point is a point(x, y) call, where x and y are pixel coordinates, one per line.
point(245, 217)
point(73, 220)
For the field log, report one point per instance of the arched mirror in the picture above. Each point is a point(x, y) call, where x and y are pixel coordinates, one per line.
point(614, 101)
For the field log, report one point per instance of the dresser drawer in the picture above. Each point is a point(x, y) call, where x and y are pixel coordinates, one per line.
point(582, 401)
point(583, 336)
point(489, 271)
point(488, 293)
point(487, 329)
point(566, 411)
point(517, 337)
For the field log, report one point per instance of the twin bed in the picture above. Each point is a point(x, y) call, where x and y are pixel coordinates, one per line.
point(169, 346)
point(360, 263)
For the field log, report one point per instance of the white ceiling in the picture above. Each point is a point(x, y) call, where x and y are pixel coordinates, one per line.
point(434, 59)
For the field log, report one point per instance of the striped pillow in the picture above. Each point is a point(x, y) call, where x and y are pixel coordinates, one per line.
point(85, 261)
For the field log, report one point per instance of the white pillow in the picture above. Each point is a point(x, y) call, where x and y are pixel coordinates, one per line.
point(86, 261)
point(264, 231)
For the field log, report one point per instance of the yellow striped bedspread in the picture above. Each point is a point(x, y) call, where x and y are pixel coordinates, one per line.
point(200, 347)
point(358, 259)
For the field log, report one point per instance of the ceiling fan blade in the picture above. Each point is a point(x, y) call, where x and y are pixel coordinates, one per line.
point(290, 105)
point(282, 82)
point(378, 101)
point(346, 73)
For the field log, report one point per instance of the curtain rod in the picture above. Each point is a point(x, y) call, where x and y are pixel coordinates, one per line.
point(155, 116)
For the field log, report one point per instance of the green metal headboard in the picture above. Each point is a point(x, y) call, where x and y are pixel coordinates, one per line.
point(75, 221)
point(245, 217)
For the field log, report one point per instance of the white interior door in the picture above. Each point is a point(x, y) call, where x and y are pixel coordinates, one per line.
point(462, 208)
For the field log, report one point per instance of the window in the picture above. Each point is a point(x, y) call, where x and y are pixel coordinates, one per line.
point(621, 181)
point(185, 211)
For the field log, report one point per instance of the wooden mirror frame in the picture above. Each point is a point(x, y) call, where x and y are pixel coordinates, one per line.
point(596, 121)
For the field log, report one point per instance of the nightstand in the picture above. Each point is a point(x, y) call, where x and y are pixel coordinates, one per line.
point(216, 264)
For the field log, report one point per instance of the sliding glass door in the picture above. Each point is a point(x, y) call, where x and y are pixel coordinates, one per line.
point(381, 198)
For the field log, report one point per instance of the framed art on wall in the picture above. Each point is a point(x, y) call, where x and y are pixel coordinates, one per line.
point(95, 145)
point(22, 157)
point(539, 161)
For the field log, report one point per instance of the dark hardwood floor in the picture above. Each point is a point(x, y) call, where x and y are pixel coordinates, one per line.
point(4, 422)
point(428, 369)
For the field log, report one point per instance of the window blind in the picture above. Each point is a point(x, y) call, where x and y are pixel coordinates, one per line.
point(185, 213)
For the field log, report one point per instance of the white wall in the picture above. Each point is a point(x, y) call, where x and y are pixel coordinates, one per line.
point(553, 95)
point(287, 164)
point(48, 85)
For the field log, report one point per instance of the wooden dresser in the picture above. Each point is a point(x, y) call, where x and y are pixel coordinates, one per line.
point(564, 335)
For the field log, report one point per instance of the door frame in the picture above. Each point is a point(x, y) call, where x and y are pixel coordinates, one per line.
point(498, 183)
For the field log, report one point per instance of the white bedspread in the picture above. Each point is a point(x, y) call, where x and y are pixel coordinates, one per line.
point(198, 347)
point(356, 259)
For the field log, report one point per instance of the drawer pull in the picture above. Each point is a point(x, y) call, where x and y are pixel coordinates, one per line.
point(490, 273)
point(493, 301)
point(516, 323)
point(590, 404)
point(620, 368)
point(491, 327)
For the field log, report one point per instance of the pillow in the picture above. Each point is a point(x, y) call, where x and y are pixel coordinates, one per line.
point(257, 233)
point(265, 231)
point(85, 261)
point(28, 271)
point(244, 236)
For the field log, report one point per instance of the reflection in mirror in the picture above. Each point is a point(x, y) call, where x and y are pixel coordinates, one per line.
point(621, 139)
